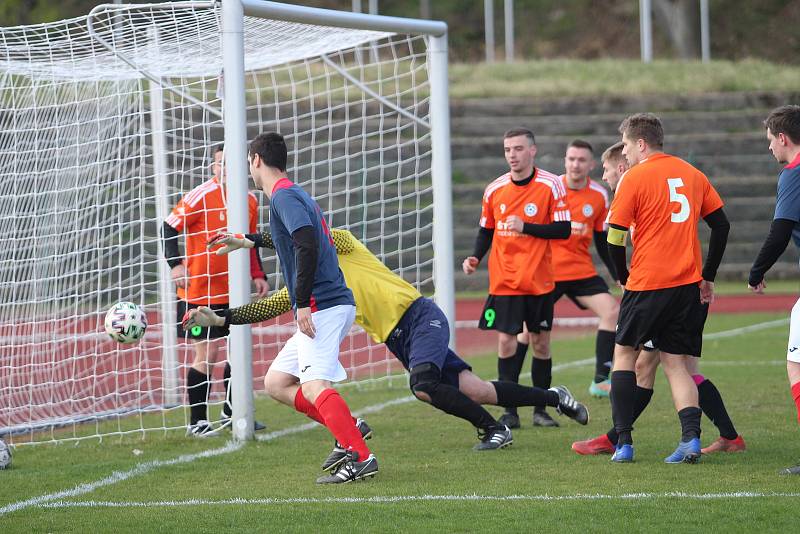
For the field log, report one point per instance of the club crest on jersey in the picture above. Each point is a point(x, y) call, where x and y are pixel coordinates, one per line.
point(587, 210)
point(531, 209)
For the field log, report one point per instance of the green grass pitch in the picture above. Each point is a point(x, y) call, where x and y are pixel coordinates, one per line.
point(430, 479)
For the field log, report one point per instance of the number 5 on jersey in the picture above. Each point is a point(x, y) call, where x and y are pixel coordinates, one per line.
point(680, 198)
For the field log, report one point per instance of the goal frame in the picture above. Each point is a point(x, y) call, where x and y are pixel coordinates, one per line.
point(233, 13)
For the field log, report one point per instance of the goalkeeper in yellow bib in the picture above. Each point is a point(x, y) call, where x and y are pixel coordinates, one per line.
point(414, 329)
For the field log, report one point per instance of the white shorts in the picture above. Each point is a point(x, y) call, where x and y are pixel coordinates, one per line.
point(793, 351)
point(317, 358)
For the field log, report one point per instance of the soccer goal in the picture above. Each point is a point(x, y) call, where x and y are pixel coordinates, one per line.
point(107, 120)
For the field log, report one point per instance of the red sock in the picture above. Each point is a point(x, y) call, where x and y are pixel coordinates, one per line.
point(302, 405)
point(339, 421)
point(796, 397)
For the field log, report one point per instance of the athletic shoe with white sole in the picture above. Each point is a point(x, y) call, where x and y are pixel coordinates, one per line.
point(200, 429)
point(567, 405)
point(494, 438)
point(338, 454)
point(351, 470)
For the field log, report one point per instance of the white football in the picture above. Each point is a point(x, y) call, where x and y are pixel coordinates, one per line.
point(126, 322)
point(5, 455)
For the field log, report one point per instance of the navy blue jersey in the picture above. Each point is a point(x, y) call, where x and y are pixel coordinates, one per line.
point(290, 209)
point(788, 202)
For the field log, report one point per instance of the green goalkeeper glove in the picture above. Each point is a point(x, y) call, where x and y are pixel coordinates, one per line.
point(202, 316)
point(229, 241)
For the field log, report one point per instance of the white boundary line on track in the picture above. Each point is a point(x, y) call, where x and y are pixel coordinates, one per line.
point(143, 468)
point(391, 499)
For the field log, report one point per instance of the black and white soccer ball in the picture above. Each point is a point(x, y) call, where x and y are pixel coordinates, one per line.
point(5, 455)
point(126, 322)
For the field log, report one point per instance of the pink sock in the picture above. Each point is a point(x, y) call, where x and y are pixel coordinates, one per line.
point(698, 379)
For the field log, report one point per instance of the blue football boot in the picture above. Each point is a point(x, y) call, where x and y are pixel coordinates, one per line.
point(687, 452)
point(623, 454)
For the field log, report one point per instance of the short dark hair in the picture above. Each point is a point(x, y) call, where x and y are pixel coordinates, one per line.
point(219, 148)
point(644, 126)
point(271, 148)
point(613, 153)
point(785, 120)
point(516, 132)
point(580, 143)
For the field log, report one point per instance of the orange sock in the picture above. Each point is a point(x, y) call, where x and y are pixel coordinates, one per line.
point(796, 397)
point(339, 421)
point(302, 405)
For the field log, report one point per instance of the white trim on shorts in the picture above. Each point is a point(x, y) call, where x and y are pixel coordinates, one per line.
point(317, 358)
point(793, 350)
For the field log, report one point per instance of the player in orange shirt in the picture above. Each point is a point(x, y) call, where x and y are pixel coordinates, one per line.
point(522, 211)
point(664, 197)
point(575, 274)
point(202, 280)
point(709, 397)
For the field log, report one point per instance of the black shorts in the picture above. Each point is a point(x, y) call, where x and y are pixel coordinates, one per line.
point(199, 333)
point(507, 313)
point(671, 318)
point(421, 336)
point(585, 287)
point(649, 346)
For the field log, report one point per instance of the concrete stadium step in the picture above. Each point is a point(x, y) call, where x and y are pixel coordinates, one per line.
point(499, 107)
point(577, 125)
point(484, 169)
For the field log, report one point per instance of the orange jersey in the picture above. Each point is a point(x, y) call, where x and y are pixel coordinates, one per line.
point(521, 264)
point(664, 197)
point(200, 214)
point(588, 208)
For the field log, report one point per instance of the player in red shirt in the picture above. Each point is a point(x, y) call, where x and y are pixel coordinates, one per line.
point(522, 211)
point(202, 280)
point(663, 197)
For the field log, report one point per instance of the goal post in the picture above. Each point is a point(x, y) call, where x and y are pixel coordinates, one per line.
point(107, 120)
point(233, 12)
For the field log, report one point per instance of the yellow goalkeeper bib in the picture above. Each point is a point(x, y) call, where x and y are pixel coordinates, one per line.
point(382, 297)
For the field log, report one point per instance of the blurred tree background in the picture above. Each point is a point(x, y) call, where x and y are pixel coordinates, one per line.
point(546, 29)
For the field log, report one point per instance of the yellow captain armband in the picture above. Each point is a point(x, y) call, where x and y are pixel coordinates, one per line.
point(617, 237)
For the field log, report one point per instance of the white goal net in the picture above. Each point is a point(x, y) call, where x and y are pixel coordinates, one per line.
point(81, 209)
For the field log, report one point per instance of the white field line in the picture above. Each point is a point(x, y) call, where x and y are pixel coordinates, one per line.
point(390, 499)
point(143, 468)
point(146, 467)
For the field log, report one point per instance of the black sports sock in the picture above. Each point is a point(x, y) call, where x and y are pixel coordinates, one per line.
point(641, 398)
point(452, 401)
point(541, 375)
point(227, 407)
point(712, 405)
point(604, 354)
point(508, 369)
point(197, 390)
point(510, 394)
point(690, 423)
point(623, 392)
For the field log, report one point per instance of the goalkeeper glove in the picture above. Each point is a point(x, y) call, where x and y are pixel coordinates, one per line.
point(230, 241)
point(202, 316)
